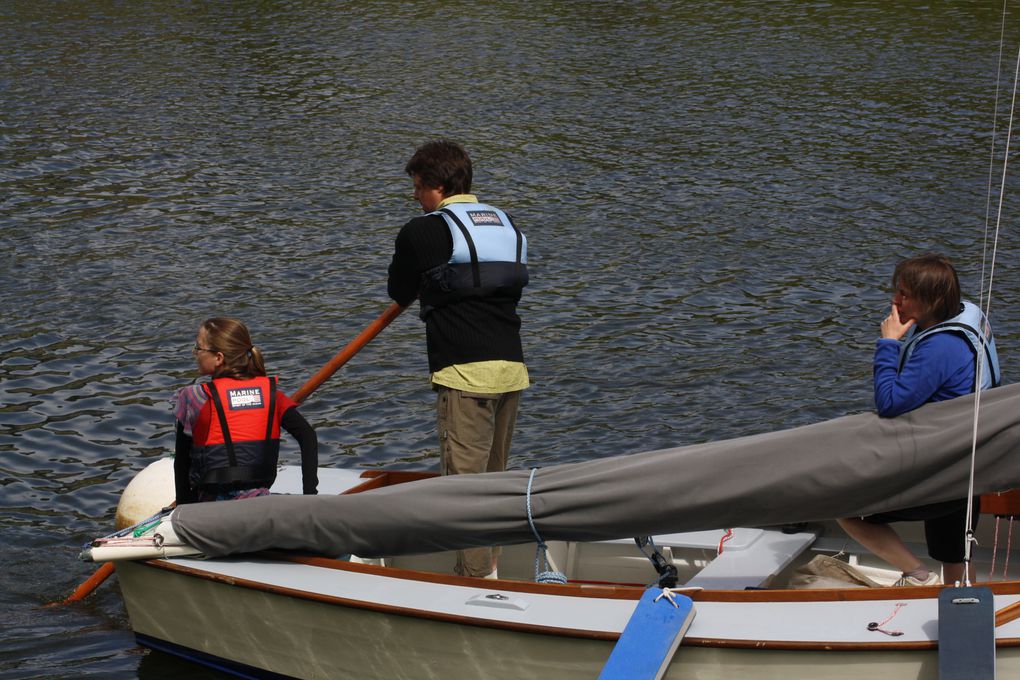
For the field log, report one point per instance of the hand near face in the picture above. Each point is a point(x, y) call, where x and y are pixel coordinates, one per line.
point(893, 327)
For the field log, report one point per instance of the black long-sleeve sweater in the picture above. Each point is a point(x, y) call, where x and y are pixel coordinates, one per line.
point(468, 330)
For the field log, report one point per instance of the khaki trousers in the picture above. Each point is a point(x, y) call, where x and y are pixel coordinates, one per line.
point(475, 430)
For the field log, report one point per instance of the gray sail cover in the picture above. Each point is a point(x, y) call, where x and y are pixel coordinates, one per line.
point(854, 465)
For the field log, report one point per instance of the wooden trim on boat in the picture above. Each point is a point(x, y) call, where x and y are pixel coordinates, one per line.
point(1006, 614)
point(841, 594)
point(803, 646)
point(628, 592)
point(798, 646)
point(582, 589)
point(607, 592)
point(1001, 504)
point(376, 479)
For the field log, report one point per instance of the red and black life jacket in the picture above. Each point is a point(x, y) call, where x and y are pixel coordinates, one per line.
point(236, 443)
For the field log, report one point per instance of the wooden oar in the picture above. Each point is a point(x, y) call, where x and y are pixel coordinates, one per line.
point(334, 364)
point(82, 591)
point(1008, 613)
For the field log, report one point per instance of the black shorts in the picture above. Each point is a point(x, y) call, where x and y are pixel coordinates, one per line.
point(943, 526)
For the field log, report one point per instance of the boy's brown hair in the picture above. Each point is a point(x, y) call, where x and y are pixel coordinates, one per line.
point(442, 163)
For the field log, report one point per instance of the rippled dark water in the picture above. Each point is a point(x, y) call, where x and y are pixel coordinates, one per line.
point(715, 195)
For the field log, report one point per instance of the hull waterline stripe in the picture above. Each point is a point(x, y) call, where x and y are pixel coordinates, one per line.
point(225, 665)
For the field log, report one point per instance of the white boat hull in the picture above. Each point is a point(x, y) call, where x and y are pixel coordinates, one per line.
point(278, 615)
point(366, 622)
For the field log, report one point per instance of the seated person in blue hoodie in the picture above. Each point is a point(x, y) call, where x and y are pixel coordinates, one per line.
point(932, 347)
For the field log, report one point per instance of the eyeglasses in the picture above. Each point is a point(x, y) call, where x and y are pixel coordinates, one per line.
point(198, 349)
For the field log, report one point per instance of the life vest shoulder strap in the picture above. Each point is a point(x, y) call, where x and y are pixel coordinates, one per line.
point(475, 269)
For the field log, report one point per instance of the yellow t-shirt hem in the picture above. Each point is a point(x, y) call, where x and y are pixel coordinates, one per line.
point(484, 377)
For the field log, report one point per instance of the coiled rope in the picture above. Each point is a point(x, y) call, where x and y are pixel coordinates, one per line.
point(543, 571)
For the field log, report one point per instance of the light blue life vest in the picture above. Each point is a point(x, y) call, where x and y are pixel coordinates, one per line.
point(490, 257)
point(966, 323)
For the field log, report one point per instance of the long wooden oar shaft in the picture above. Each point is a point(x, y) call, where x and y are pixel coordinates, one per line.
point(341, 358)
point(1008, 613)
point(344, 355)
point(82, 591)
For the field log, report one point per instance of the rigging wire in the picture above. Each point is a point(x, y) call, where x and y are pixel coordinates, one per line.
point(969, 537)
point(991, 157)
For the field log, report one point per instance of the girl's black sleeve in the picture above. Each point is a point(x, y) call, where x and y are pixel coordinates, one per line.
point(182, 467)
point(295, 423)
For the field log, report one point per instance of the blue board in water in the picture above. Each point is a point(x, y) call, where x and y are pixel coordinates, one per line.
point(966, 634)
point(650, 639)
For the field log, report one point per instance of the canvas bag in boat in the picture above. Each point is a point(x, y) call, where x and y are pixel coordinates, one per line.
point(825, 571)
point(237, 434)
point(489, 257)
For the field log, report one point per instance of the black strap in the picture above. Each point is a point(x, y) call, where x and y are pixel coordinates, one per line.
point(237, 477)
point(520, 245)
point(221, 414)
point(218, 404)
point(475, 270)
point(272, 409)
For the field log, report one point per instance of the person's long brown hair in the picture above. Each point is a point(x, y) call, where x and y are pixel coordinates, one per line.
point(241, 359)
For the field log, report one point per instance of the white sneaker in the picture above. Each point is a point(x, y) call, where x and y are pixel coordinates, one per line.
point(932, 580)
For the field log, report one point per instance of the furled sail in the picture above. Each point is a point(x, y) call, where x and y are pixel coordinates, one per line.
point(849, 466)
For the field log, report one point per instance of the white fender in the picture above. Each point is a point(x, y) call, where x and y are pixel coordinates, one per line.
point(150, 491)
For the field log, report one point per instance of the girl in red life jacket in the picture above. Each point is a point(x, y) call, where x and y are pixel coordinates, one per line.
point(228, 429)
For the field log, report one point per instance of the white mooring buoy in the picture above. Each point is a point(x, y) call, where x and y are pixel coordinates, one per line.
point(150, 491)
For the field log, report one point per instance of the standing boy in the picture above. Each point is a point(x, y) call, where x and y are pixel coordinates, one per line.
point(466, 262)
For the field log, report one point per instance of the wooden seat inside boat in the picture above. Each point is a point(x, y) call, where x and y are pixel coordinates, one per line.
point(755, 563)
point(749, 558)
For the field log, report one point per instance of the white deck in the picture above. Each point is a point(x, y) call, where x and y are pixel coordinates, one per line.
point(331, 480)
